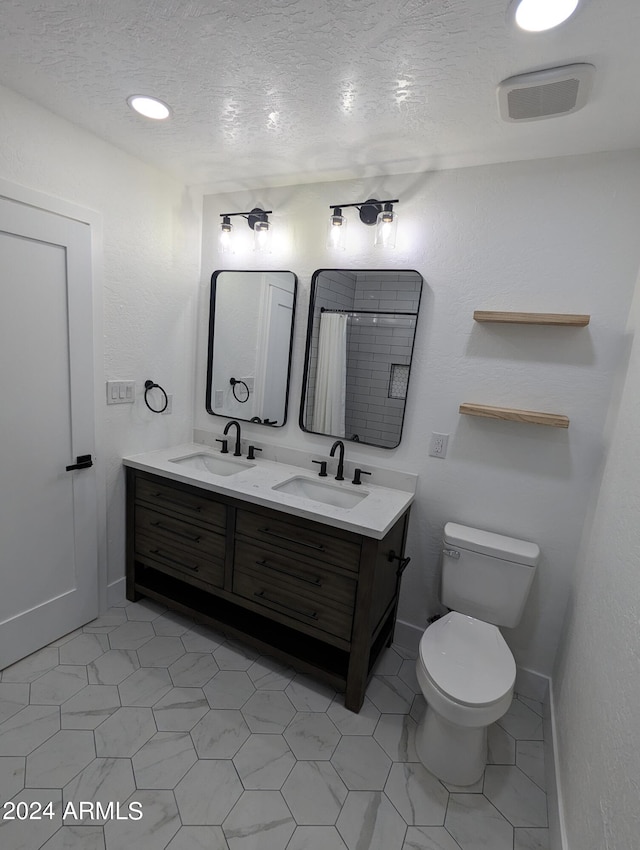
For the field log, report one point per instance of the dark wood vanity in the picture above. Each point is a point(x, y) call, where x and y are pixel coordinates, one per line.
point(317, 597)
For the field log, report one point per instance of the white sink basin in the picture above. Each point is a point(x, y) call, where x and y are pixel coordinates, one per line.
point(205, 462)
point(328, 494)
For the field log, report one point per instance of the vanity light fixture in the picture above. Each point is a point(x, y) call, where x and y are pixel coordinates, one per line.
point(372, 212)
point(150, 107)
point(226, 229)
point(386, 227)
point(258, 221)
point(337, 230)
point(541, 15)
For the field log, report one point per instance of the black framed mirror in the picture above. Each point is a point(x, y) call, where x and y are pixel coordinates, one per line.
point(360, 337)
point(251, 317)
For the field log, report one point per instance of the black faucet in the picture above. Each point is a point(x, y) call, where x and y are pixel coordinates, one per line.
point(238, 451)
point(338, 445)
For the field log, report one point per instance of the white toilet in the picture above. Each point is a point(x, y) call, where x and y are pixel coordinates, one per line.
point(464, 667)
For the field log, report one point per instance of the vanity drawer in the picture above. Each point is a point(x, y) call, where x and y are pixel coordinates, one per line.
point(169, 529)
point(310, 539)
point(190, 505)
point(319, 612)
point(299, 575)
point(179, 562)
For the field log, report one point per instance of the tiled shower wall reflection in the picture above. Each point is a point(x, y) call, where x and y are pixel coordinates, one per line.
point(375, 344)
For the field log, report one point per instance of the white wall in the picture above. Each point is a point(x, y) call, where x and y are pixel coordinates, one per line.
point(556, 235)
point(146, 274)
point(596, 685)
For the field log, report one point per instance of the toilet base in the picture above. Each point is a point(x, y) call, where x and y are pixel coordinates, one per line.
point(455, 754)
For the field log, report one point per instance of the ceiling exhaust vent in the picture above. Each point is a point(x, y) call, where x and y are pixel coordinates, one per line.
point(545, 94)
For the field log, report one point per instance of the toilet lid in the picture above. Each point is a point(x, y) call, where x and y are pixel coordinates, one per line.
point(468, 659)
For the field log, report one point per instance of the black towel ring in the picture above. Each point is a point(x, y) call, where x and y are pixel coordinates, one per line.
point(150, 385)
point(234, 383)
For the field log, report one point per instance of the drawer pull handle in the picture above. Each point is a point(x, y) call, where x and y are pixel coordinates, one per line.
point(318, 546)
point(176, 502)
point(195, 538)
point(180, 564)
point(312, 615)
point(316, 582)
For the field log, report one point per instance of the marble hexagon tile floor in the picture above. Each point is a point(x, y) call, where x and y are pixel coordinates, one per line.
point(221, 749)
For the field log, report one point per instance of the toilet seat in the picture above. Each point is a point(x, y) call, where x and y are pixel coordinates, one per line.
point(468, 660)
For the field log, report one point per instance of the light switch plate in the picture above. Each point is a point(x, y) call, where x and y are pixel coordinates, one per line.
point(121, 392)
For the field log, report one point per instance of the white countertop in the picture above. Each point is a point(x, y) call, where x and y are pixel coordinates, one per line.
point(372, 517)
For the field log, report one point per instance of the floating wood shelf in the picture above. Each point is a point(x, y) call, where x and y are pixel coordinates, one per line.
point(555, 420)
point(575, 320)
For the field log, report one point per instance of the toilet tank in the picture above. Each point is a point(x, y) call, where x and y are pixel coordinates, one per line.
point(486, 575)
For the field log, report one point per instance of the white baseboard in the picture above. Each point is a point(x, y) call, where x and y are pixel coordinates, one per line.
point(407, 636)
point(116, 592)
point(557, 829)
point(531, 684)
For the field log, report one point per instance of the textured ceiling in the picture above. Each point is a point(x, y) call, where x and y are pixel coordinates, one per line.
point(283, 91)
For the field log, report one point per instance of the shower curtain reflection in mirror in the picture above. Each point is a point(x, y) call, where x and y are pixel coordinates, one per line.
point(359, 392)
point(331, 375)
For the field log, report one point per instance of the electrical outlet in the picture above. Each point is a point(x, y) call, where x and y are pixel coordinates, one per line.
point(438, 445)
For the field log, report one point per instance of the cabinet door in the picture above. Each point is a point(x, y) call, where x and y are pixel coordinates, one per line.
point(289, 606)
point(173, 530)
point(305, 576)
point(180, 562)
point(302, 537)
point(197, 507)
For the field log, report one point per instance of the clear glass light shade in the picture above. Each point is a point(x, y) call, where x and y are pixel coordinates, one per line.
point(225, 243)
point(337, 232)
point(386, 229)
point(150, 107)
point(540, 15)
point(262, 236)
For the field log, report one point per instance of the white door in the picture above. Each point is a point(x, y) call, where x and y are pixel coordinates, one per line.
point(276, 355)
point(48, 515)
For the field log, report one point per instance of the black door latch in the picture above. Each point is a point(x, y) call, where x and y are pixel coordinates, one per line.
point(82, 462)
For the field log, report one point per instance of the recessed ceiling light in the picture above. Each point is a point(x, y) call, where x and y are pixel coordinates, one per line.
point(540, 15)
point(150, 107)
